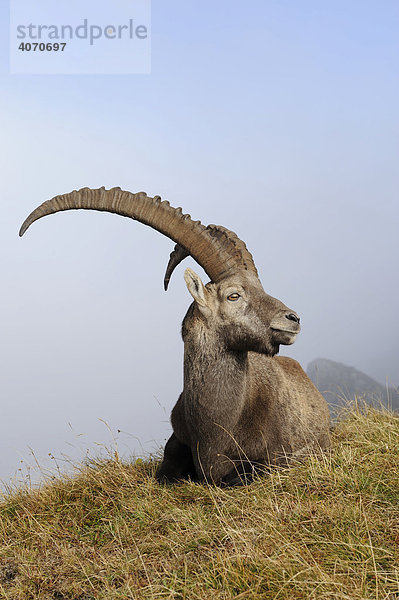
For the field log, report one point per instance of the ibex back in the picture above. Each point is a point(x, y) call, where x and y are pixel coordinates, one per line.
point(242, 407)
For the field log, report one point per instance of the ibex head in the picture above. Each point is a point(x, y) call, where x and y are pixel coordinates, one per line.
point(234, 303)
point(242, 315)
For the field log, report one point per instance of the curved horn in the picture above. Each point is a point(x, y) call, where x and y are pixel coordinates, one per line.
point(242, 255)
point(217, 254)
point(176, 256)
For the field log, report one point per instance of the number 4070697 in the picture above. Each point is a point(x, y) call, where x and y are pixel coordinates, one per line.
point(42, 47)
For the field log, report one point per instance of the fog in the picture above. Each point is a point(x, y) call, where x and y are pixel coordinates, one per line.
point(279, 123)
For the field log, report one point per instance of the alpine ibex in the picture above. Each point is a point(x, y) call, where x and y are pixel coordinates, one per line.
point(242, 407)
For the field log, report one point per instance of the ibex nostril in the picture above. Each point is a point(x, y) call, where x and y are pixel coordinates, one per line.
point(293, 317)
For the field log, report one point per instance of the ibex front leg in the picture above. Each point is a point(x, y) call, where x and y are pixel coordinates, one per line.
point(177, 462)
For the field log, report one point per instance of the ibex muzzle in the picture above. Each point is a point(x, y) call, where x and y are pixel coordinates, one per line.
point(242, 407)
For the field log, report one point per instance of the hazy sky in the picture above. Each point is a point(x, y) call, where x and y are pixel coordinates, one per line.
point(276, 119)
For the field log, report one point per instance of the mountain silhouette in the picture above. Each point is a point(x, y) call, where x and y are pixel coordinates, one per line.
point(339, 384)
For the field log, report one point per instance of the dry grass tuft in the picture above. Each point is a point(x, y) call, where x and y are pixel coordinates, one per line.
point(326, 529)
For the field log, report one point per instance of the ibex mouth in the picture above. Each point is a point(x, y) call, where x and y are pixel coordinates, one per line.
point(287, 323)
point(284, 336)
point(293, 330)
point(285, 329)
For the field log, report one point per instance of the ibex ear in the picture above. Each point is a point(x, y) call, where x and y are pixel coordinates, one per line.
point(197, 290)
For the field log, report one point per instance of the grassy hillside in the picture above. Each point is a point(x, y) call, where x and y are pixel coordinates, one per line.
point(326, 529)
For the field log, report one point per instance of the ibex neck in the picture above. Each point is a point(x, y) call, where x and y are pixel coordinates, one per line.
point(214, 381)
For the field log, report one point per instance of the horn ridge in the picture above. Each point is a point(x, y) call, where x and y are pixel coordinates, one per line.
point(242, 254)
point(229, 241)
point(216, 258)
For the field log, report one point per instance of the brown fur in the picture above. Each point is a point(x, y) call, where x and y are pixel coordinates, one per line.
point(242, 407)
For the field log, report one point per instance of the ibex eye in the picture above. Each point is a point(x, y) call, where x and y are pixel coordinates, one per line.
point(233, 297)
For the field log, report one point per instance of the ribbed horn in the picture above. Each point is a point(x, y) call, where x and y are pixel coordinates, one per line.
point(176, 256)
point(242, 256)
point(214, 251)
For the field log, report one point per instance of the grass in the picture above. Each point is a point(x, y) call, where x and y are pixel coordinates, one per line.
point(325, 529)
